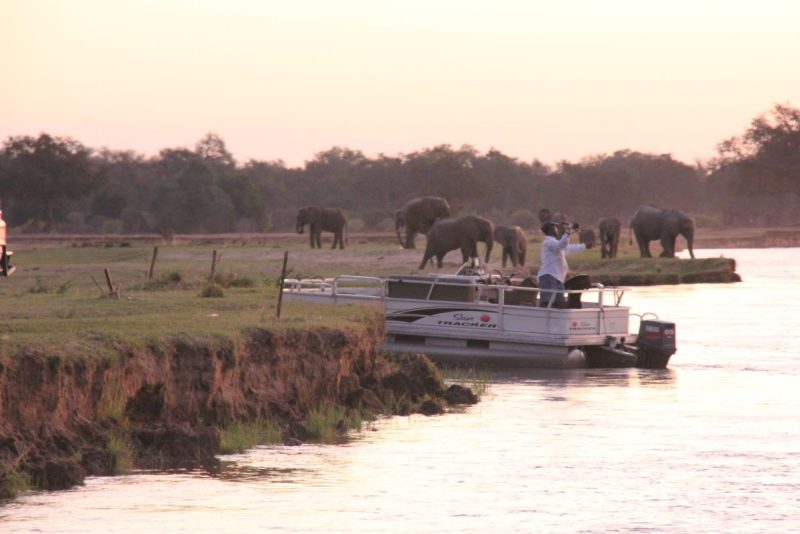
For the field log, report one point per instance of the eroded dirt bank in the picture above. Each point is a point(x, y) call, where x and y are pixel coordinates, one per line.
point(64, 417)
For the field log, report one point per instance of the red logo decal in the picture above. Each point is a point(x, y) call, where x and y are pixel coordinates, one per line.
point(574, 323)
point(485, 318)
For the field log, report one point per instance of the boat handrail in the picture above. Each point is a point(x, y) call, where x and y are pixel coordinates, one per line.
point(334, 285)
point(296, 284)
point(617, 291)
point(337, 290)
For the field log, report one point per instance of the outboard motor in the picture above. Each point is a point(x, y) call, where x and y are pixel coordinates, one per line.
point(656, 343)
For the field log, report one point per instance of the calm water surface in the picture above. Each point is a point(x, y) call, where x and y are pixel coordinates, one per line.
point(710, 445)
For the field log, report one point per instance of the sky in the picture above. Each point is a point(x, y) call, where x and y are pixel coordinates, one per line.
point(548, 80)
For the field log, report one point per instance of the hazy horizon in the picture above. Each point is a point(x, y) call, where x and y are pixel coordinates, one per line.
point(276, 81)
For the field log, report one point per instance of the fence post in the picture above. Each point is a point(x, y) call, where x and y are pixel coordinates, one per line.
point(152, 263)
point(213, 266)
point(108, 281)
point(280, 285)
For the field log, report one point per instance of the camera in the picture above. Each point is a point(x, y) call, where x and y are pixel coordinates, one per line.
point(576, 226)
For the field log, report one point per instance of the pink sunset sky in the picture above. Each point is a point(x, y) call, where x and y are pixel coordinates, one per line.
point(284, 80)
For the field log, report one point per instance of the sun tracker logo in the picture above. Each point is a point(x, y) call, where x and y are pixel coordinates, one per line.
point(467, 320)
point(581, 326)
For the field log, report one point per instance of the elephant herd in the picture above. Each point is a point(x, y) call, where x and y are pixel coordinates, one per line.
point(432, 216)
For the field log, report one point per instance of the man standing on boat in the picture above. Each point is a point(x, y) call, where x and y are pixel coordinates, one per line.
point(554, 263)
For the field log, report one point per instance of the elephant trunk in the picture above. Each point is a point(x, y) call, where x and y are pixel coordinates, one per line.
point(399, 222)
point(689, 235)
point(299, 227)
point(489, 244)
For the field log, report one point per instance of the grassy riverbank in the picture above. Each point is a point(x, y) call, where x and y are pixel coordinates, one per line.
point(59, 286)
point(59, 294)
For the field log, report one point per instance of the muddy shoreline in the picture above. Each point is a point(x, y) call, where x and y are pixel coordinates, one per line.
point(67, 416)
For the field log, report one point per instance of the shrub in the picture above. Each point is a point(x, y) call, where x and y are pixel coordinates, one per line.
point(212, 290)
point(170, 280)
point(40, 286)
point(226, 280)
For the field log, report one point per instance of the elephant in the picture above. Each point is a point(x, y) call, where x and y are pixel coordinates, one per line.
point(557, 217)
point(586, 235)
point(458, 233)
point(514, 244)
point(417, 216)
point(320, 220)
point(546, 215)
point(610, 228)
point(650, 223)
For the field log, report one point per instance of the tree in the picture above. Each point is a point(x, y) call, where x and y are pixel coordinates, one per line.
point(212, 149)
point(766, 158)
point(48, 169)
point(192, 202)
point(756, 177)
point(248, 205)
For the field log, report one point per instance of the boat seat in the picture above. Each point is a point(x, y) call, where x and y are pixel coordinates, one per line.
point(581, 281)
point(522, 298)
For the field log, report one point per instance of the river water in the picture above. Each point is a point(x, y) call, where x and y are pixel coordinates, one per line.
point(711, 444)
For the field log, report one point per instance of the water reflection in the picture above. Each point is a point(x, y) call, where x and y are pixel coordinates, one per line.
point(708, 445)
point(587, 377)
point(230, 470)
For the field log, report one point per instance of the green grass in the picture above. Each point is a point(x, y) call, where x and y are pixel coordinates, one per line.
point(13, 483)
point(122, 453)
point(85, 315)
point(241, 436)
point(112, 404)
point(478, 380)
point(328, 423)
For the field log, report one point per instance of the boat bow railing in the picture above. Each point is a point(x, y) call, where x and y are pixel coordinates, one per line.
point(368, 287)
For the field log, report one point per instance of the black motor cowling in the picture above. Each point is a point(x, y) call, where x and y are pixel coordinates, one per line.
point(656, 343)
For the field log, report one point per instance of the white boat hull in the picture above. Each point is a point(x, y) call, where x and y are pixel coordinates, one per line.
point(463, 320)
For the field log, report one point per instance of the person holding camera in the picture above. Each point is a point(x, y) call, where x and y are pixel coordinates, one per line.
point(554, 267)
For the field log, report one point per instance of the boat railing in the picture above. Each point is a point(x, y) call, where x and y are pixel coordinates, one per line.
point(492, 293)
point(293, 285)
point(369, 287)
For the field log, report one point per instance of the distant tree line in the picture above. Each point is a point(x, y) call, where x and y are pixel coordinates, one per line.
point(50, 183)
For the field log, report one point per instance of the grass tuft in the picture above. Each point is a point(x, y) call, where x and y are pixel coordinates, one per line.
point(122, 452)
point(39, 287)
point(112, 404)
point(13, 483)
point(227, 279)
point(329, 424)
point(212, 290)
point(478, 380)
point(168, 280)
point(241, 436)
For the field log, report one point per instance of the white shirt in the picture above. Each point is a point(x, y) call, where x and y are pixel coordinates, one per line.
point(554, 251)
